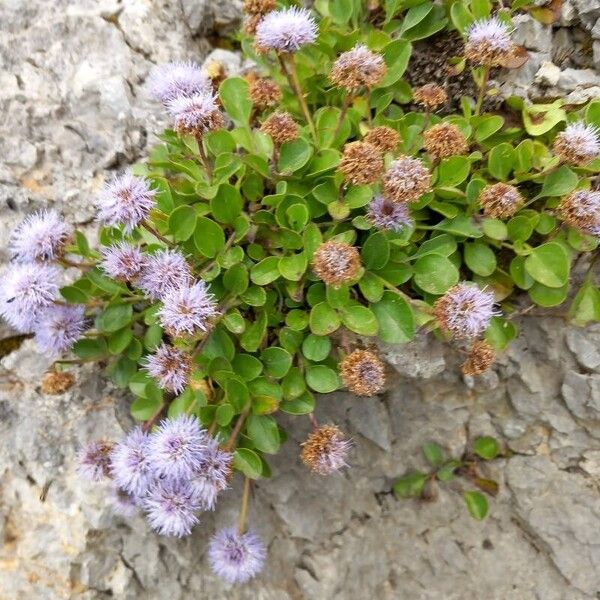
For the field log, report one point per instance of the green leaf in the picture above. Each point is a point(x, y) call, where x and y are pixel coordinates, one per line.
point(586, 305)
point(293, 384)
point(500, 333)
point(453, 171)
point(293, 267)
point(251, 339)
point(435, 274)
point(495, 229)
point(433, 453)
point(234, 96)
point(294, 155)
point(316, 347)
point(90, 349)
point(410, 485)
point(266, 271)
point(486, 447)
point(143, 409)
point(501, 161)
point(559, 182)
point(519, 228)
point(480, 258)
point(277, 361)
point(182, 222)
point(461, 225)
point(236, 279)
point(323, 319)
point(371, 287)
point(360, 319)
point(208, 237)
point(395, 317)
point(118, 341)
point(114, 317)
point(264, 433)
point(322, 379)
point(73, 295)
point(477, 504)
point(549, 265)
point(376, 251)
point(247, 366)
point(247, 462)
point(227, 205)
point(547, 296)
point(396, 55)
point(487, 126)
point(446, 472)
point(302, 405)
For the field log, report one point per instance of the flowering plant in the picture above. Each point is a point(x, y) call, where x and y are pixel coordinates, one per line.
point(289, 219)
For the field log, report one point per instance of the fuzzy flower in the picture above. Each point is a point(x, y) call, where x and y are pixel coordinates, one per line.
point(361, 163)
point(171, 367)
point(162, 272)
point(27, 289)
point(363, 373)
point(578, 145)
point(94, 460)
point(465, 310)
point(326, 449)
point(122, 261)
point(264, 93)
point(500, 200)
point(430, 96)
point(188, 310)
point(129, 463)
point(336, 263)
point(258, 7)
point(385, 214)
point(126, 200)
point(384, 138)
point(489, 42)
point(481, 358)
point(171, 506)
point(406, 180)
point(444, 140)
point(281, 127)
point(286, 30)
point(123, 503)
point(42, 236)
point(55, 383)
point(176, 79)
point(59, 327)
point(236, 557)
point(212, 476)
point(358, 68)
point(177, 448)
point(581, 210)
point(196, 115)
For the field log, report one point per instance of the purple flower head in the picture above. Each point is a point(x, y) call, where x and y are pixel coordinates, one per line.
point(326, 449)
point(177, 448)
point(94, 460)
point(40, 237)
point(164, 271)
point(126, 200)
point(122, 261)
point(286, 30)
point(385, 214)
point(129, 463)
point(59, 327)
point(170, 366)
point(123, 503)
point(197, 114)
point(493, 32)
point(236, 557)
point(176, 79)
point(170, 506)
point(211, 477)
point(578, 144)
point(188, 309)
point(26, 290)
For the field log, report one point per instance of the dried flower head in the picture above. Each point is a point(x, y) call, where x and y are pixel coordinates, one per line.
point(170, 81)
point(358, 68)
point(500, 200)
point(126, 200)
point(465, 310)
point(171, 367)
point(281, 127)
point(123, 503)
point(385, 214)
point(406, 180)
point(188, 310)
point(361, 163)
point(94, 460)
point(129, 464)
point(384, 138)
point(444, 140)
point(42, 236)
point(264, 93)
point(59, 327)
point(212, 476)
point(363, 373)
point(236, 557)
point(163, 272)
point(123, 261)
point(489, 42)
point(430, 96)
point(326, 449)
point(336, 263)
point(481, 358)
point(286, 30)
point(259, 7)
point(251, 23)
point(581, 209)
point(196, 115)
point(578, 144)
point(55, 383)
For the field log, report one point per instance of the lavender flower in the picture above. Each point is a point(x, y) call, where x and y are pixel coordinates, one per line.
point(176, 450)
point(129, 463)
point(211, 477)
point(236, 557)
point(123, 503)
point(489, 42)
point(358, 68)
point(188, 309)
point(59, 327)
point(385, 214)
point(578, 144)
point(286, 30)
point(581, 209)
point(41, 236)
point(126, 200)
point(94, 460)
point(170, 506)
point(406, 180)
point(122, 261)
point(195, 115)
point(326, 449)
point(176, 79)
point(171, 367)
point(163, 272)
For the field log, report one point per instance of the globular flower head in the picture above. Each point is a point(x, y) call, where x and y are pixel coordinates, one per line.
point(578, 145)
point(59, 327)
point(177, 79)
point(286, 30)
point(126, 200)
point(481, 357)
point(359, 67)
point(236, 557)
point(581, 209)
point(489, 42)
point(26, 290)
point(406, 180)
point(162, 272)
point(465, 310)
point(171, 367)
point(94, 460)
point(326, 449)
point(281, 127)
point(122, 261)
point(129, 464)
point(177, 447)
point(123, 503)
point(264, 93)
point(55, 383)
point(384, 138)
point(197, 114)
point(430, 96)
point(188, 310)
point(444, 140)
point(363, 373)
point(258, 7)
point(42, 236)
point(336, 263)
point(171, 506)
point(500, 200)
point(212, 476)
point(385, 214)
point(361, 163)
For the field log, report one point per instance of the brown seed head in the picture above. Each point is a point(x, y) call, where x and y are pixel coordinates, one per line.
point(336, 263)
point(384, 138)
point(210, 122)
point(56, 383)
point(264, 93)
point(406, 180)
point(481, 358)
point(358, 68)
point(578, 144)
point(281, 127)
point(363, 373)
point(259, 7)
point(500, 200)
point(445, 140)
point(430, 96)
point(483, 53)
point(251, 23)
point(325, 450)
point(581, 209)
point(361, 163)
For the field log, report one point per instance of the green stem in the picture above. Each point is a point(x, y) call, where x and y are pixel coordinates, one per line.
point(482, 89)
point(244, 508)
point(157, 235)
point(204, 159)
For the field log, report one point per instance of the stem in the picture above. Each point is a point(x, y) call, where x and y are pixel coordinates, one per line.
point(368, 99)
point(204, 159)
point(345, 107)
point(244, 508)
point(482, 89)
point(149, 424)
point(236, 430)
point(84, 265)
point(313, 420)
point(156, 234)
